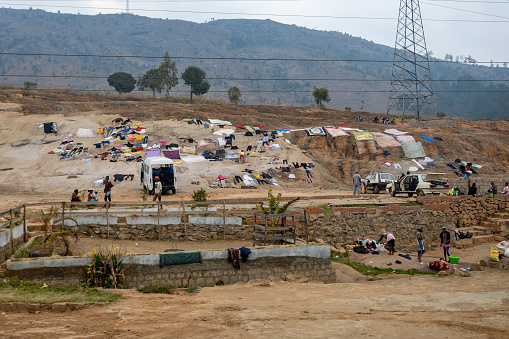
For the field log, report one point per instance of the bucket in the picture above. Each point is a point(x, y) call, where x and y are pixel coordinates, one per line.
point(454, 260)
point(490, 194)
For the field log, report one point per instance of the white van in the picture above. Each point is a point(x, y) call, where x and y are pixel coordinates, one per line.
point(161, 167)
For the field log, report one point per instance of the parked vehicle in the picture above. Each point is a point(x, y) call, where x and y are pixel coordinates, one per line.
point(161, 167)
point(378, 181)
point(419, 183)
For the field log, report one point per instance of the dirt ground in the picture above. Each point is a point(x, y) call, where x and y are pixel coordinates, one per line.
point(416, 307)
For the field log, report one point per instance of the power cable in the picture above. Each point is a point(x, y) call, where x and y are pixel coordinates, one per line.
point(247, 79)
point(234, 58)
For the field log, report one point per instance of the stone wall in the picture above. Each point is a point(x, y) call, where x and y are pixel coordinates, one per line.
point(344, 228)
point(432, 123)
point(482, 184)
point(170, 232)
point(468, 210)
point(310, 261)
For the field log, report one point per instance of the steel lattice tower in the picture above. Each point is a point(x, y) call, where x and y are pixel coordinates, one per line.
point(411, 77)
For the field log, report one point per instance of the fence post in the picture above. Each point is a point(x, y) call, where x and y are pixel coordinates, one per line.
point(63, 216)
point(12, 234)
point(25, 235)
point(224, 221)
point(158, 209)
point(184, 217)
point(306, 225)
point(107, 221)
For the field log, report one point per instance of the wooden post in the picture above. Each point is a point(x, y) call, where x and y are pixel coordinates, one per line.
point(25, 235)
point(107, 221)
point(184, 217)
point(306, 225)
point(158, 223)
point(224, 221)
point(12, 234)
point(63, 216)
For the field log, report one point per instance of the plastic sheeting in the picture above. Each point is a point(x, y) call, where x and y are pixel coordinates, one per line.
point(85, 133)
point(413, 150)
point(225, 131)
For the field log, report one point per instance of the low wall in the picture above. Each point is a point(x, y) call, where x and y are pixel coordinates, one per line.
point(481, 184)
point(344, 228)
point(468, 210)
point(310, 261)
point(5, 240)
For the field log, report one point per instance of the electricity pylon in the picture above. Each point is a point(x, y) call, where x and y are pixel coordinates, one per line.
point(411, 77)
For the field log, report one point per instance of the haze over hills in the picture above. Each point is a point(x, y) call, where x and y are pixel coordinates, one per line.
point(121, 35)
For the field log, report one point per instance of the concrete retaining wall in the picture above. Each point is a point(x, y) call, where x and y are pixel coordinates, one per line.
point(310, 261)
point(5, 240)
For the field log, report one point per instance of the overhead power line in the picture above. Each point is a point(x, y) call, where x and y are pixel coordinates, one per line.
point(264, 91)
point(253, 14)
point(234, 58)
point(250, 79)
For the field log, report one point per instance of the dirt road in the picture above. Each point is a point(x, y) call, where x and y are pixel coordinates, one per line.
point(417, 307)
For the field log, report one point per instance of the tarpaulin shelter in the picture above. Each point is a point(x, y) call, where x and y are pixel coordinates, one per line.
point(50, 127)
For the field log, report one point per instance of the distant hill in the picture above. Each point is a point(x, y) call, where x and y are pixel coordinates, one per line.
point(36, 31)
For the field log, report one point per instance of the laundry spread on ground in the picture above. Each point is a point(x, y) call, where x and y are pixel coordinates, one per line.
point(428, 139)
point(315, 131)
point(335, 131)
point(405, 138)
point(366, 147)
point(413, 150)
point(394, 131)
point(363, 136)
point(384, 140)
point(179, 258)
point(220, 122)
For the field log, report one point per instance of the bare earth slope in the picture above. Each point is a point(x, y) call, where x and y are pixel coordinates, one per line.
point(26, 168)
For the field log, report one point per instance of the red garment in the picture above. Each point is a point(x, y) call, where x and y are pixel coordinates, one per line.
point(139, 148)
point(233, 257)
point(242, 127)
point(438, 265)
point(139, 129)
point(260, 126)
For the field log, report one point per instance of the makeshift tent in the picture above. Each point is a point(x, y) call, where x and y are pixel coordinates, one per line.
point(153, 153)
point(50, 127)
point(413, 150)
point(363, 136)
point(384, 140)
point(314, 131)
point(335, 131)
point(84, 133)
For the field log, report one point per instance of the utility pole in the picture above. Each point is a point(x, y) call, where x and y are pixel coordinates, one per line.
point(127, 7)
point(411, 77)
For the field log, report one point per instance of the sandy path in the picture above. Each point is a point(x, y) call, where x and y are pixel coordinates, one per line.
point(417, 307)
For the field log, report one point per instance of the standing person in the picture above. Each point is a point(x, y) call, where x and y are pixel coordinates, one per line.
point(391, 241)
point(445, 241)
point(472, 190)
point(107, 189)
point(420, 244)
point(356, 182)
point(242, 156)
point(158, 189)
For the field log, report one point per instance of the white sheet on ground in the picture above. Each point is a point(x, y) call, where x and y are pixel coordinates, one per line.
point(249, 181)
point(394, 131)
point(417, 163)
point(220, 122)
point(192, 158)
point(225, 131)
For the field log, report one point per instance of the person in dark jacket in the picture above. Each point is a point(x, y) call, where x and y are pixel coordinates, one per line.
point(472, 190)
point(445, 241)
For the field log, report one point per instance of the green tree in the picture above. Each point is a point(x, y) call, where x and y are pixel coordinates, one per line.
point(168, 71)
point(321, 95)
point(122, 82)
point(29, 85)
point(151, 80)
point(234, 95)
point(193, 76)
point(201, 88)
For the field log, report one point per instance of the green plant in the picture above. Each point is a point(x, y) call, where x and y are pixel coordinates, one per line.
point(274, 203)
point(219, 281)
point(372, 270)
point(200, 195)
point(14, 289)
point(105, 270)
point(157, 288)
point(26, 94)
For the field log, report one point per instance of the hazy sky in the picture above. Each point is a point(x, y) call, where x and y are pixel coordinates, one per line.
point(484, 41)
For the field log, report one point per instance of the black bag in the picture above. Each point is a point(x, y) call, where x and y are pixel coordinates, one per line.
point(469, 235)
point(462, 235)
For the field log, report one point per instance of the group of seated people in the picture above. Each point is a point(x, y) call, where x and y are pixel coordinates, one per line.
point(76, 196)
point(384, 121)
